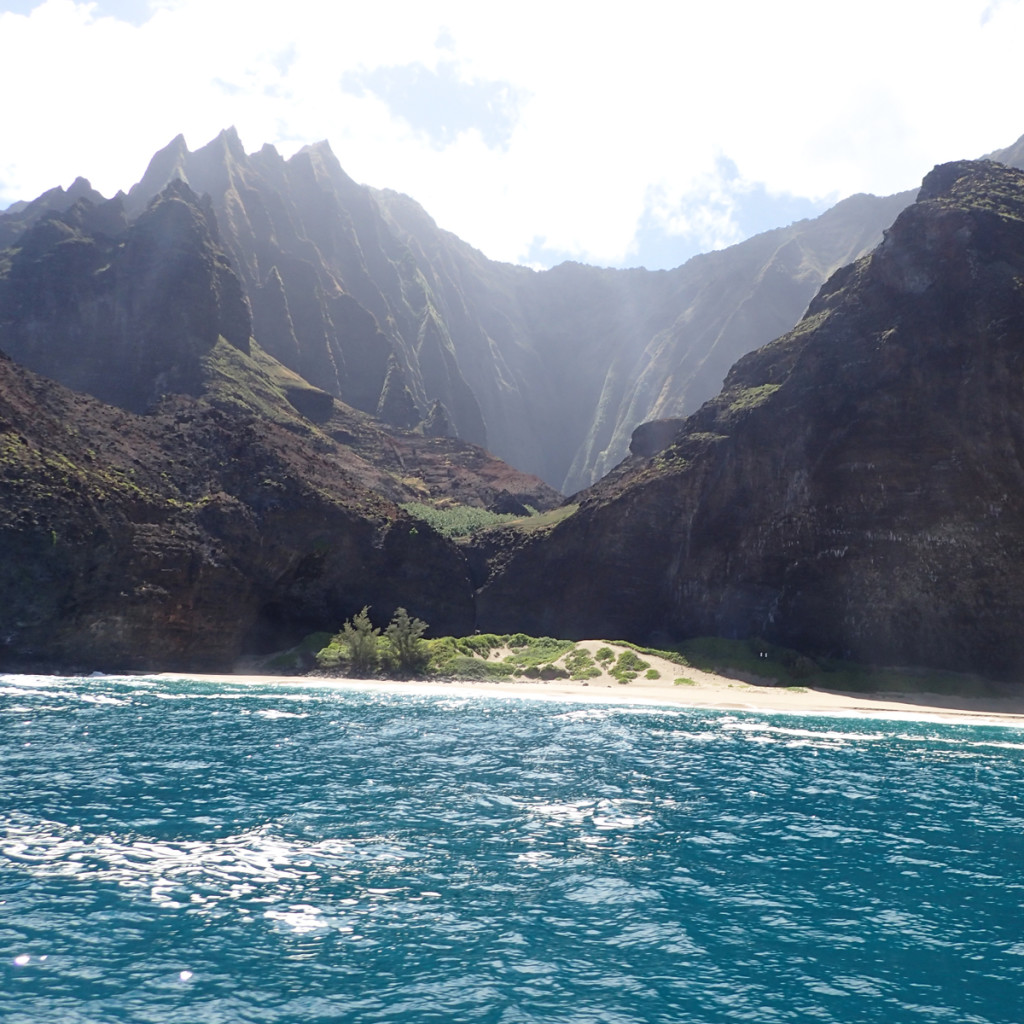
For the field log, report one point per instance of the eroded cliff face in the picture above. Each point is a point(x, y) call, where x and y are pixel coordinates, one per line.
point(361, 293)
point(334, 295)
point(245, 509)
point(857, 489)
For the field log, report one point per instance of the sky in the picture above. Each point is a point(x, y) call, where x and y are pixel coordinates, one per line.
point(626, 134)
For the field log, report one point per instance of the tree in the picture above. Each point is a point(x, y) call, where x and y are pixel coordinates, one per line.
point(361, 638)
point(405, 637)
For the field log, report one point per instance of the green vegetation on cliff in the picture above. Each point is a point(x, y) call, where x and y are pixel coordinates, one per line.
point(455, 521)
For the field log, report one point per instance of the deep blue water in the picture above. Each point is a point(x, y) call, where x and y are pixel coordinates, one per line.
point(184, 852)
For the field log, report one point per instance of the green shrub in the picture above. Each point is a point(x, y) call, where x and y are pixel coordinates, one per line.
point(552, 671)
point(685, 681)
point(580, 665)
point(354, 648)
point(628, 665)
point(539, 651)
point(480, 644)
point(457, 520)
point(441, 654)
point(652, 673)
point(359, 648)
point(361, 638)
point(332, 656)
point(407, 652)
point(605, 655)
point(474, 670)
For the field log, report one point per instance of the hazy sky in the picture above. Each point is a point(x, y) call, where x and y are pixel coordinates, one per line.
point(619, 134)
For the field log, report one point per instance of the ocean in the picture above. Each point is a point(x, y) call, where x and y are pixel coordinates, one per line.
point(190, 852)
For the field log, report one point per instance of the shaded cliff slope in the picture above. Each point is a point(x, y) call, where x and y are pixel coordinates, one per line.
point(127, 311)
point(857, 488)
point(183, 538)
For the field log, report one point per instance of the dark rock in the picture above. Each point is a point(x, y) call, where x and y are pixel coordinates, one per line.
point(437, 422)
point(654, 436)
point(181, 539)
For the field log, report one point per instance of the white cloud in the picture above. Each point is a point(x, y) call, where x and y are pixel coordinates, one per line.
point(623, 113)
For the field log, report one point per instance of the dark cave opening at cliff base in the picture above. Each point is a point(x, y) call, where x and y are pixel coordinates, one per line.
point(277, 628)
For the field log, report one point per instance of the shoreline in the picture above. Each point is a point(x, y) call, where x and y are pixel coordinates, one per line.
point(706, 692)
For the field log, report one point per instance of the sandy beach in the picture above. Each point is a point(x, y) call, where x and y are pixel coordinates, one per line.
point(702, 690)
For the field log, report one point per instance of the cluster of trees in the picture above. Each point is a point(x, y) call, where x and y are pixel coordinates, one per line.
point(363, 650)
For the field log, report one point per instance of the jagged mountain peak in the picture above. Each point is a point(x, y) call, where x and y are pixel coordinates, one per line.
point(21, 216)
point(270, 154)
point(164, 165)
point(81, 187)
point(206, 169)
point(552, 371)
point(320, 161)
point(226, 148)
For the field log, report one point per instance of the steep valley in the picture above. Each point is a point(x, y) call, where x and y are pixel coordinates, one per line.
point(360, 292)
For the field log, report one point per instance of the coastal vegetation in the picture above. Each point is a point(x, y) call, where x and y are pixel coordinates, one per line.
point(401, 651)
point(361, 648)
point(453, 520)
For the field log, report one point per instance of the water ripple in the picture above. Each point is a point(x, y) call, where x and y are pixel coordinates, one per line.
point(182, 851)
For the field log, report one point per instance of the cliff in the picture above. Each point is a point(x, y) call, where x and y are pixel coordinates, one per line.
point(856, 488)
point(180, 539)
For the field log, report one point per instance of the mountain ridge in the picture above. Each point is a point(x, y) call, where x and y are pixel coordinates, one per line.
point(853, 490)
point(360, 292)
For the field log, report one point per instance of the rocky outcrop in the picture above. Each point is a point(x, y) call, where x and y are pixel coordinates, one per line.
point(857, 489)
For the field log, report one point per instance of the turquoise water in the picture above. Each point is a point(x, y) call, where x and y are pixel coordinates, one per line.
point(185, 852)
